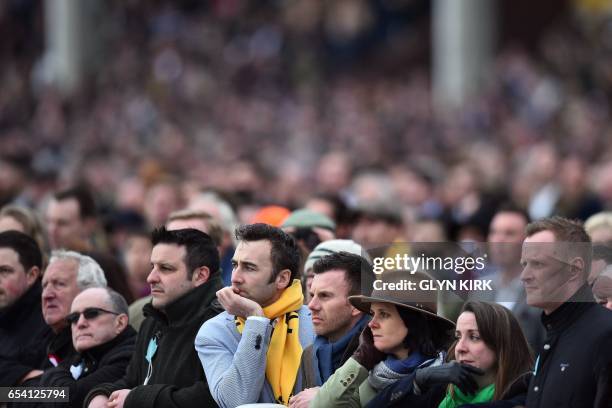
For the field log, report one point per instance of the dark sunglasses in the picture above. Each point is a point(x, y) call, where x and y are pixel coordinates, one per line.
point(89, 314)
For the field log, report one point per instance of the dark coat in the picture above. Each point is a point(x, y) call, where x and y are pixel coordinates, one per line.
point(59, 347)
point(574, 367)
point(309, 362)
point(24, 336)
point(177, 378)
point(104, 363)
point(401, 394)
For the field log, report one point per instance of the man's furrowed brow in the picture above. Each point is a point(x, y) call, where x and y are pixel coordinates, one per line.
point(325, 293)
point(249, 263)
point(245, 263)
point(162, 263)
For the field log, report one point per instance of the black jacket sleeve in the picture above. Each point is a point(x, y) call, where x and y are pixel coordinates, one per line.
point(11, 371)
point(109, 370)
point(166, 395)
point(127, 381)
point(130, 379)
point(402, 394)
point(603, 372)
point(19, 358)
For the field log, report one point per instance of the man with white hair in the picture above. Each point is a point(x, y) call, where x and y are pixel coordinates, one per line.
point(67, 275)
point(104, 342)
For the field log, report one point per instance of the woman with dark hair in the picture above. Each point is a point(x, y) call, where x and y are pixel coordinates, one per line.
point(405, 333)
point(487, 337)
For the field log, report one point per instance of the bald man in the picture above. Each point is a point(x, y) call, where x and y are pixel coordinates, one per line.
point(104, 342)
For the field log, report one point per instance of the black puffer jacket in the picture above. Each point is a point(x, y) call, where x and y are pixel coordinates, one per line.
point(177, 378)
point(104, 363)
point(59, 347)
point(24, 336)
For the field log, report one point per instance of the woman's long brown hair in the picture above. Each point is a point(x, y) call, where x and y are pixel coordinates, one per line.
point(502, 333)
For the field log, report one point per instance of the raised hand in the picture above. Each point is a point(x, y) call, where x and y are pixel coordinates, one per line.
point(367, 354)
point(462, 375)
point(238, 305)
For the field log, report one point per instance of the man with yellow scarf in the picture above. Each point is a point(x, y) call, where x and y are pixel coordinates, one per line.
point(251, 352)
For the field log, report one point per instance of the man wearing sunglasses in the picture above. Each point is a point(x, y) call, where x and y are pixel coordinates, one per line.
point(67, 274)
point(103, 340)
point(165, 370)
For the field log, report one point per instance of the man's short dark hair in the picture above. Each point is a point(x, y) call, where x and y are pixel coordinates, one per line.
point(200, 250)
point(566, 231)
point(342, 213)
point(284, 254)
point(351, 264)
point(510, 207)
point(83, 195)
point(26, 248)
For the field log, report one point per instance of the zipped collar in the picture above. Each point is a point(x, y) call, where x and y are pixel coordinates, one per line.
point(566, 314)
point(97, 352)
point(185, 308)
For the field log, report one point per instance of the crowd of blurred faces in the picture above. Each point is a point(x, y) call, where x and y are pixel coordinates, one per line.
point(266, 104)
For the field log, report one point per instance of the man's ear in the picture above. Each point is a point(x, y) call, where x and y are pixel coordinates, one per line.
point(577, 270)
point(200, 275)
point(32, 275)
point(283, 279)
point(121, 323)
point(355, 312)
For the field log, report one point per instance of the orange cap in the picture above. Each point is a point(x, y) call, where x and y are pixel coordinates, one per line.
point(272, 215)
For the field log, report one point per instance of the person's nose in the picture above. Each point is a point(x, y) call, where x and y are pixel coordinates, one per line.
point(373, 323)
point(153, 276)
point(237, 277)
point(314, 303)
point(526, 274)
point(51, 227)
point(82, 322)
point(461, 346)
point(48, 292)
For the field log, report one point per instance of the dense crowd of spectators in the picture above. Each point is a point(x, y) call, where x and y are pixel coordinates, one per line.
point(233, 170)
point(274, 102)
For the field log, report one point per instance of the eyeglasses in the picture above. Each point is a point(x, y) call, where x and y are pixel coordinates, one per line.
point(89, 313)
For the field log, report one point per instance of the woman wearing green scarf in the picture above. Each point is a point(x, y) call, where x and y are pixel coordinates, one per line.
point(491, 345)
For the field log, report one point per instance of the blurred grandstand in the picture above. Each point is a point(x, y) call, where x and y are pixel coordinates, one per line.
point(274, 101)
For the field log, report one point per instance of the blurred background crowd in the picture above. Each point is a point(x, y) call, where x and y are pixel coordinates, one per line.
point(354, 125)
point(309, 103)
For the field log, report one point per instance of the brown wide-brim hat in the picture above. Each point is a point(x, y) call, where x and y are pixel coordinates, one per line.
point(421, 301)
